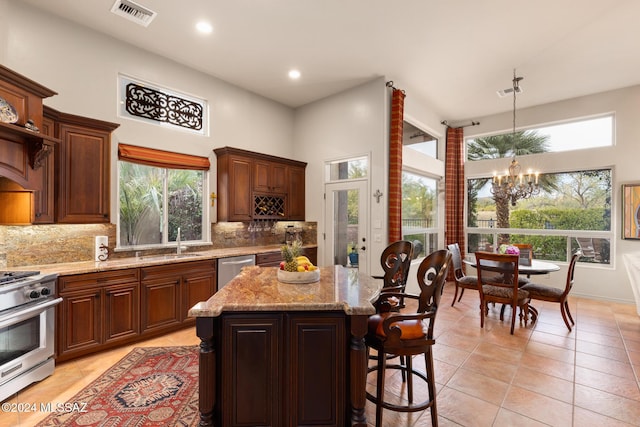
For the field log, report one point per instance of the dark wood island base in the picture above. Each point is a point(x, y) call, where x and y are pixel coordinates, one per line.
point(277, 354)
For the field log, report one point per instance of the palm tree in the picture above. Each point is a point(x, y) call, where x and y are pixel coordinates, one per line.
point(502, 146)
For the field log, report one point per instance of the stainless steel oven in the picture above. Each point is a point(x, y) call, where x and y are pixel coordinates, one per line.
point(27, 335)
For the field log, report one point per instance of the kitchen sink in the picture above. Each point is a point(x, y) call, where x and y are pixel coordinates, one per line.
point(168, 256)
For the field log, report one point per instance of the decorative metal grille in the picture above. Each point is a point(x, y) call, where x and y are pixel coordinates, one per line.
point(268, 206)
point(155, 105)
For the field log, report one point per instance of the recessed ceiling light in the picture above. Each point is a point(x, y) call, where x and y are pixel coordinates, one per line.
point(204, 27)
point(294, 74)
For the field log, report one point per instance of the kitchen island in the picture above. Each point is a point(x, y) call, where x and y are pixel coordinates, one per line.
point(278, 354)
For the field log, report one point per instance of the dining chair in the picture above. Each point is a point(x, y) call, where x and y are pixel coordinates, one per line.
point(553, 294)
point(526, 252)
point(461, 280)
point(409, 334)
point(498, 283)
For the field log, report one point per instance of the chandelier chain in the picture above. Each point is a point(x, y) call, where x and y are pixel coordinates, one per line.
point(513, 186)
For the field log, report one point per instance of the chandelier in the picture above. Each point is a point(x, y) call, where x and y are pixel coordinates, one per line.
point(514, 185)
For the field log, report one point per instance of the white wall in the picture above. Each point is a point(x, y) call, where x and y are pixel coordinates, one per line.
point(352, 123)
point(610, 283)
point(83, 66)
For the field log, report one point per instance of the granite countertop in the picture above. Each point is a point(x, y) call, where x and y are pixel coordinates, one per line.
point(68, 268)
point(258, 289)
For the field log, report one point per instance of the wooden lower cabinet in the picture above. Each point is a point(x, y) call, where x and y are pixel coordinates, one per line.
point(169, 291)
point(97, 310)
point(121, 314)
point(282, 369)
point(105, 309)
point(251, 366)
point(160, 303)
point(269, 259)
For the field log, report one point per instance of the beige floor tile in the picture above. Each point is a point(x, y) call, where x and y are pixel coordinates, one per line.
point(451, 355)
point(478, 385)
point(465, 410)
point(599, 338)
point(625, 387)
point(551, 352)
point(557, 328)
point(544, 384)
point(538, 407)
point(602, 364)
point(609, 352)
point(507, 418)
point(585, 418)
point(458, 341)
point(491, 367)
point(567, 341)
point(498, 352)
point(607, 404)
point(548, 366)
point(504, 339)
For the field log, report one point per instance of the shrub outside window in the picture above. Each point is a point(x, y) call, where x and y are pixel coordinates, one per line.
point(420, 212)
point(155, 202)
point(572, 211)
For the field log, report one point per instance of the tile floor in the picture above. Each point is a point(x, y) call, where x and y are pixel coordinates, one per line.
point(543, 375)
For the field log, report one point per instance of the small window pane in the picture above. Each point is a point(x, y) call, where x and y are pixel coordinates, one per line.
point(141, 204)
point(347, 169)
point(419, 140)
point(185, 204)
point(577, 135)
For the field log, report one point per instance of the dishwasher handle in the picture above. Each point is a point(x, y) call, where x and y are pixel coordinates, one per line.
point(242, 261)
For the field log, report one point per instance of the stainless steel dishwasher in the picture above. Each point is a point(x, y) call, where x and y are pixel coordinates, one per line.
point(229, 267)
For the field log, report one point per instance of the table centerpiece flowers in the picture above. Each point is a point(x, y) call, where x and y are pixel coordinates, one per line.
point(508, 249)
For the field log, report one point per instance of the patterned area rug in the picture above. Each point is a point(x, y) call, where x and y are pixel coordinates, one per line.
point(151, 386)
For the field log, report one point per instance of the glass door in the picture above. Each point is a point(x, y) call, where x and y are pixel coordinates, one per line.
point(346, 215)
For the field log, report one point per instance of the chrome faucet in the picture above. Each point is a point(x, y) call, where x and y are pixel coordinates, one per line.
point(179, 250)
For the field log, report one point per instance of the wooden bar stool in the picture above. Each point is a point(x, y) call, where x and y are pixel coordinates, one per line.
point(409, 334)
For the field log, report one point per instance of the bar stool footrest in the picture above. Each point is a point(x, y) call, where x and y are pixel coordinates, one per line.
point(411, 407)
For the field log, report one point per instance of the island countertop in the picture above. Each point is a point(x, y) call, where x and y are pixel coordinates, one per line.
point(258, 289)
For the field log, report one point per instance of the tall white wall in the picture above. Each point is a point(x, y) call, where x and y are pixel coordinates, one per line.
point(609, 283)
point(352, 123)
point(83, 65)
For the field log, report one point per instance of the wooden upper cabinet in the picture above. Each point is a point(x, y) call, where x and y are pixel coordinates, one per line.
point(44, 198)
point(249, 181)
point(234, 188)
point(83, 169)
point(296, 177)
point(26, 156)
point(269, 177)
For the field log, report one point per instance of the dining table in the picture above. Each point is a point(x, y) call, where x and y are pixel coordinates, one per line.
point(537, 267)
point(531, 268)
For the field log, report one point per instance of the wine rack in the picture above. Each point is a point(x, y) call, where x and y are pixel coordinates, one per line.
point(268, 206)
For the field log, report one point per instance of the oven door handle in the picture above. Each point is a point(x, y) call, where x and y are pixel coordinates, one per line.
point(28, 312)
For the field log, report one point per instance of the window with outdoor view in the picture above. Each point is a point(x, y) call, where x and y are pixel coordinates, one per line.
point(155, 202)
point(570, 212)
point(420, 212)
point(575, 135)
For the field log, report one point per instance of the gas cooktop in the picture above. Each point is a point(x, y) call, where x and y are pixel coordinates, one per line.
point(12, 276)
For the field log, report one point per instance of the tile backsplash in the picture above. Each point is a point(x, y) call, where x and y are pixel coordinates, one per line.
point(58, 243)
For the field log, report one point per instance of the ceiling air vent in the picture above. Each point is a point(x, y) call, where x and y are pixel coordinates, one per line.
point(133, 12)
